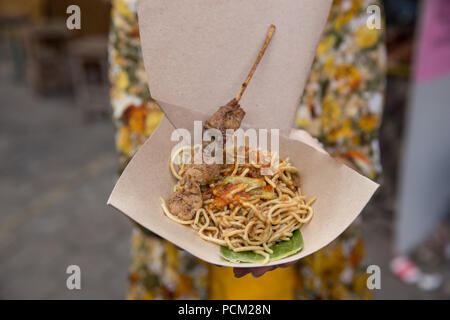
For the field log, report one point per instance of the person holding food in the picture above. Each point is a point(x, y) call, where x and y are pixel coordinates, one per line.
point(341, 107)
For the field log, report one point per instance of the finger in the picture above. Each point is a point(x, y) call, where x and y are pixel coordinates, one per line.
point(240, 272)
point(258, 272)
point(305, 137)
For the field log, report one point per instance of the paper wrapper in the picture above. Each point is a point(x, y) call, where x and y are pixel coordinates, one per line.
point(197, 54)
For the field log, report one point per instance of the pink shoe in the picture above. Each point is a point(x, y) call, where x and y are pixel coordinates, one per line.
point(405, 269)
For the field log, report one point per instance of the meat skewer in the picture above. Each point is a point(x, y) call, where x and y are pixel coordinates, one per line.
point(185, 202)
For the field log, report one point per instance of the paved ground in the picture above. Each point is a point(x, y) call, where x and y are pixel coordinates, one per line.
point(378, 241)
point(56, 173)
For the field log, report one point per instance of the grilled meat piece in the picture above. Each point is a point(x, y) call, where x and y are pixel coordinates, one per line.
point(185, 202)
point(203, 173)
point(188, 199)
point(226, 117)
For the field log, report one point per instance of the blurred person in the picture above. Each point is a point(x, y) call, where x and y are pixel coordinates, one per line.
point(341, 107)
point(424, 187)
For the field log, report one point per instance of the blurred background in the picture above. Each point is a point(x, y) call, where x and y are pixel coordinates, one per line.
point(58, 160)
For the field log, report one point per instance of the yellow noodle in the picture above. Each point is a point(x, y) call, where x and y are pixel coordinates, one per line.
point(252, 223)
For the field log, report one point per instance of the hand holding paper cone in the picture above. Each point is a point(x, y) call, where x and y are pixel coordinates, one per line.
point(255, 217)
point(194, 60)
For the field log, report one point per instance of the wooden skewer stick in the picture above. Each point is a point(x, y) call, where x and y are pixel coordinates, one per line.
point(255, 64)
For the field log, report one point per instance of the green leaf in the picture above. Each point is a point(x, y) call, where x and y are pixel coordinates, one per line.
point(281, 250)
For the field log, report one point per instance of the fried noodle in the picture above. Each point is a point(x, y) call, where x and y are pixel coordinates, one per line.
point(245, 211)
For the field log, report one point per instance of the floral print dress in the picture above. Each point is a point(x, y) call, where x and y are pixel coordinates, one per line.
point(341, 106)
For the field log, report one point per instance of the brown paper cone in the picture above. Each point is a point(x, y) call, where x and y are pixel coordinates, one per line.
point(197, 54)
